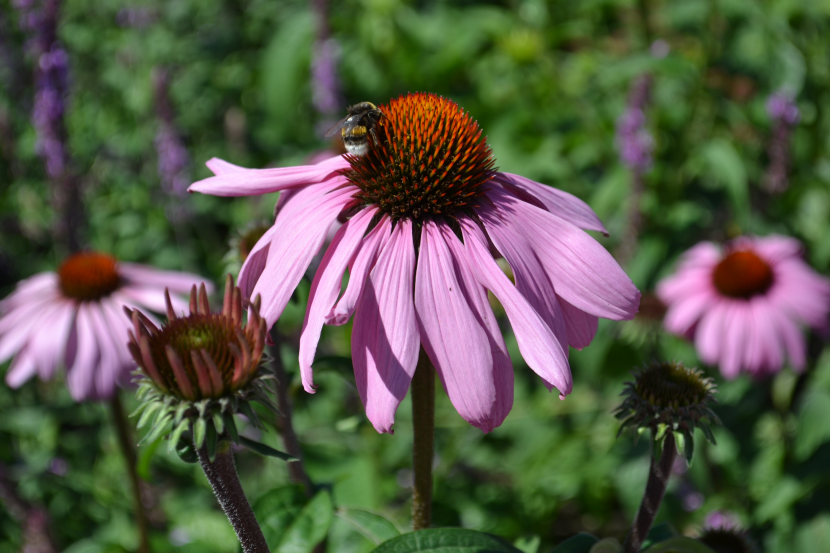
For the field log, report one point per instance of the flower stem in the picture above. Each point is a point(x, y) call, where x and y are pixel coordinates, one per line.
point(125, 440)
point(423, 437)
point(221, 473)
point(296, 469)
point(658, 479)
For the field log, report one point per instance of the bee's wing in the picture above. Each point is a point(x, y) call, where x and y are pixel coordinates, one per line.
point(339, 125)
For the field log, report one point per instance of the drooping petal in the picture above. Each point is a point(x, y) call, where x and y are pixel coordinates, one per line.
point(794, 342)
point(531, 279)
point(21, 369)
point(177, 282)
point(582, 271)
point(27, 320)
point(326, 287)
point(774, 248)
point(222, 167)
point(229, 181)
point(560, 203)
point(80, 378)
point(682, 315)
point(363, 263)
point(297, 238)
point(800, 292)
point(451, 335)
point(48, 345)
point(765, 348)
point(385, 341)
point(539, 346)
point(109, 365)
point(709, 335)
point(33, 287)
point(118, 326)
point(737, 327)
point(476, 296)
point(254, 264)
point(581, 326)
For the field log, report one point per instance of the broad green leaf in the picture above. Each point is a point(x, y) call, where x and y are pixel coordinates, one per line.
point(375, 528)
point(309, 527)
point(277, 509)
point(580, 543)
point(446, 540)
point(679, 544)
point(813, 424)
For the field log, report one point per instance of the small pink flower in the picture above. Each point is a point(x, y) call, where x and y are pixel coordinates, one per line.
point(425, 212)
point(73, 318)
point(743, 305)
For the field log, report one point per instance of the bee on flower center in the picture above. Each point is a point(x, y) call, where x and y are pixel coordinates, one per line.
point(356, 127)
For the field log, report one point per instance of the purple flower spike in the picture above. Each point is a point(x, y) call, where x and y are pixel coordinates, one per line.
point(634, 142)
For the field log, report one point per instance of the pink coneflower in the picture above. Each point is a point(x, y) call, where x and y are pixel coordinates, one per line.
point(74, 318)
point(426, 212)
point(743, 304)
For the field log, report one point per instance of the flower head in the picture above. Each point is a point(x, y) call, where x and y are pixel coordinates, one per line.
point(743, 304)
point(668, 397)
point(425, 211)
point(71, 318)
point(198, 370)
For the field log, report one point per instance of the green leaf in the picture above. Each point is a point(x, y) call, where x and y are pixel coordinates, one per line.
point(199, 432)
point(263, 449)
point(277, 509)
point(159, 429)
point(230, 426)
point(177, 434)
point(447, 540)
point(218, 422)
point(375, 528)
point(726, 166)
point(148, 413)
point(679, 544)
point(211, 439)
point(607, 545)
point(813, 424)
point(659, 533)
point(145, 456)
point(310, 526)
point(580, 543)
point(185, 449)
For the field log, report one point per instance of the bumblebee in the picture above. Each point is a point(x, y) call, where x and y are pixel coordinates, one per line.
point(356, 127)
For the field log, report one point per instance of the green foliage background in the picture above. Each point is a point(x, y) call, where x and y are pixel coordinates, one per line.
point(546, 80)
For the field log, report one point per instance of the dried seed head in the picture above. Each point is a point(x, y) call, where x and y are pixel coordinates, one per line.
point(668, 397)
point(88, 276)
point(430, 159)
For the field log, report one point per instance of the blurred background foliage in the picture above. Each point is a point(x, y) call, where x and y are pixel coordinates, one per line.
point(547, 80)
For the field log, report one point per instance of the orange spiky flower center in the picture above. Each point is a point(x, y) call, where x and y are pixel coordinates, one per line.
point(430, 159)
point(742, 274)
point(88, 276)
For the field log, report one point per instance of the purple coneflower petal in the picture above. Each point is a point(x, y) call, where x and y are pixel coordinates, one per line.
point(118, 325)
point(150, 298)
point(48, 344)
point(581, 326)
point(710, 332)
point(736, 328)
point(104, 381)
point(560, 203)
point(359, 270)
point(297, 239)
point(766, 349)
point(476, 297)
point(177, 282)
point(531, 279)
point(33, 287)
point(539, 346)
point(253, 182)
point(385, 341)
point(326, 287)
point(683, 315)
point(255, 263)
point(453, 339)
point(22, 369)
point(80, 377)
point(582, 271)
point(793, 342)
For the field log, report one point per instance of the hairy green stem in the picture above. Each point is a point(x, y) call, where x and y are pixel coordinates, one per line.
point(221, 473)
point(423, 441)
point(125, 440)
point(658, 479)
